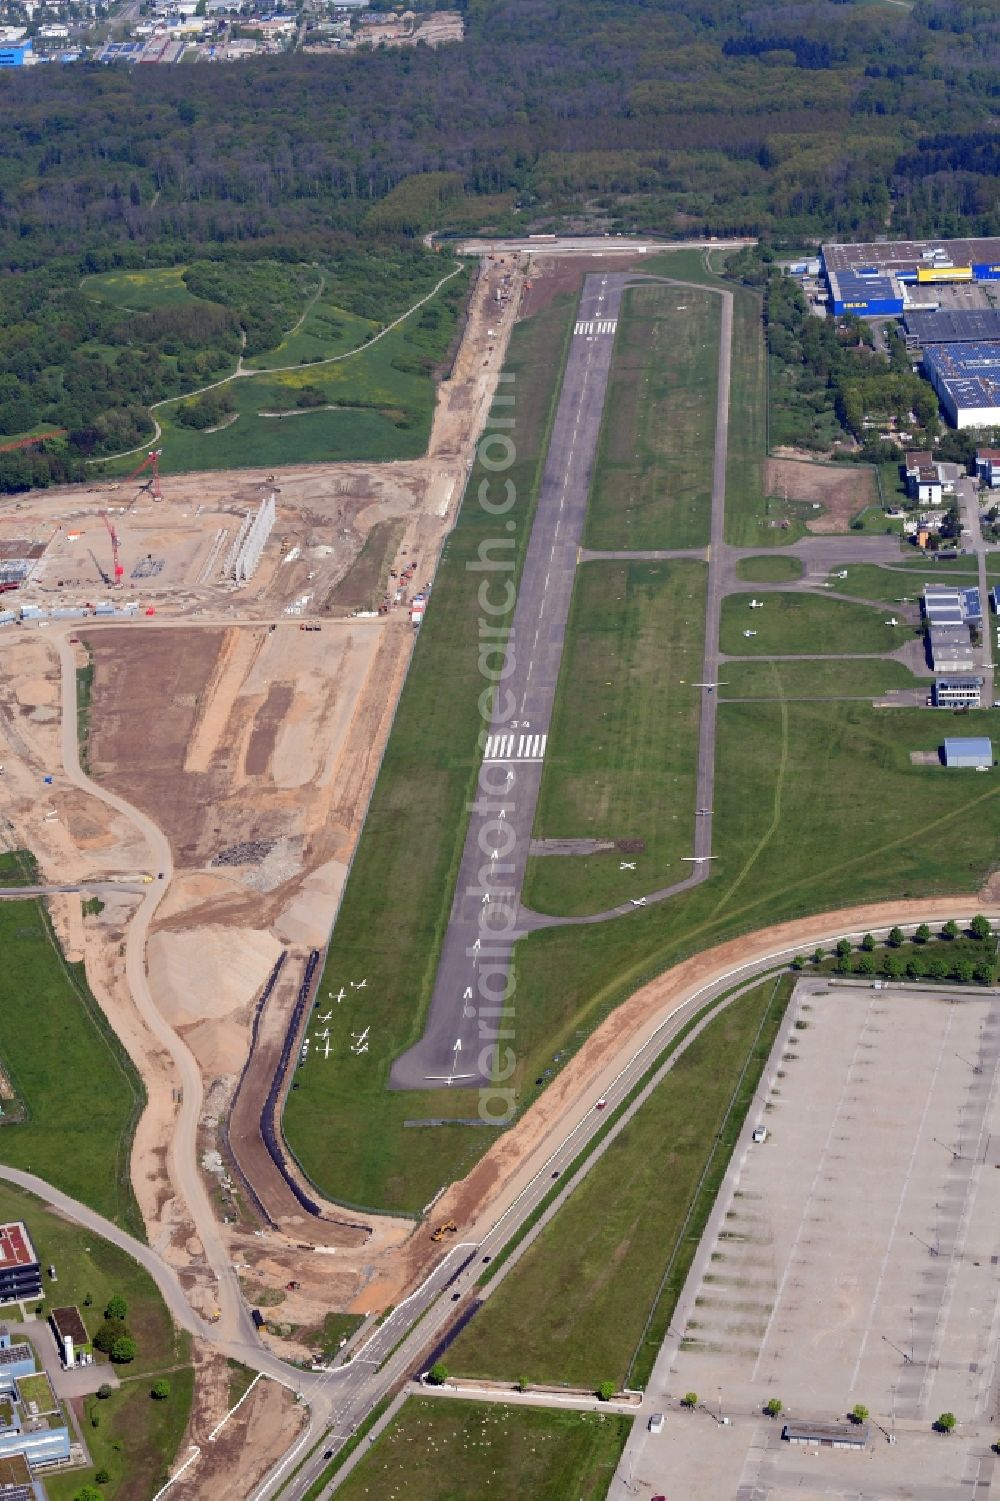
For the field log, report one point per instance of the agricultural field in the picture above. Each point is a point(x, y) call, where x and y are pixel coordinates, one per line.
point(805, 625)
point(394, 909)
point(622, 756)
point(652, 481)
point(81, 1094)
point(439, 1450)
point(135, 1438)
point(558, 1315)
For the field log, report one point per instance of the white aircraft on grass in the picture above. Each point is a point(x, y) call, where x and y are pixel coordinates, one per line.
point(749, 633)
point(892, 621)
point(756, 604)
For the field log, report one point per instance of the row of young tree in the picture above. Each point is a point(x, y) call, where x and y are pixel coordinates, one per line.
point(924, 959)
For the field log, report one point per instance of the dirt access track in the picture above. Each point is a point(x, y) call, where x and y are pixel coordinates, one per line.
point(252, 742)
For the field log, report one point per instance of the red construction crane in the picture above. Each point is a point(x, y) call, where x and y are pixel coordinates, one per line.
point(153, 483)
point(118, 569)
point(39, 438)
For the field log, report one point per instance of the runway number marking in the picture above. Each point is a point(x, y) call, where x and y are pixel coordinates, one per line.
point(515, 747)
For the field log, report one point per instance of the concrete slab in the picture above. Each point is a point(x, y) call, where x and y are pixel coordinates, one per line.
point(853, 1257)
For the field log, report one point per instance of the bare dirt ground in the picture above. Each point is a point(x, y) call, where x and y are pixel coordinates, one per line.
point(253, 744)
point(264, 1426)
point(841, 489)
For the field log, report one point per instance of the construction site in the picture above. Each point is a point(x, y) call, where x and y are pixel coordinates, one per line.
point(238, 641)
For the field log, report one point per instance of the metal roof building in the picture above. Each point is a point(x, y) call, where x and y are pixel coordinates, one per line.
point(979, 260)
point(952, 326)
point(871, 279)
point(972, 752)
point(826, 1434)
point(966, 377)
point(951, 649)
point(943, 606)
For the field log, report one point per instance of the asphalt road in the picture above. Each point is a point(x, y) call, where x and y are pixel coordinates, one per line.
point(481, 931)
point(234, 1316)
point(584, 245)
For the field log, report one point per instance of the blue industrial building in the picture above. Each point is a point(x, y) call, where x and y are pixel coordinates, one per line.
point(966, 377)
point(866, 294)
point(871, 280)
point(14, 54)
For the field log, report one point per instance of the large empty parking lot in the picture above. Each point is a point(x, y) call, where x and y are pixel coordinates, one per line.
point(853, 1258)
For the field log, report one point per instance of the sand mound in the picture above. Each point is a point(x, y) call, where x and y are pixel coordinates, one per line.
point(208, 972)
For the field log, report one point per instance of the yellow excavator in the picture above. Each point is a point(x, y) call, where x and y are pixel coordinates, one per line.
point(448, 1228)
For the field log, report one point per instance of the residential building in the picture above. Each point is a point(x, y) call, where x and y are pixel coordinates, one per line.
point(16, 54)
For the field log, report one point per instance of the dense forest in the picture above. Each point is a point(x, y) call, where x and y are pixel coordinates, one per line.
point(791, 121)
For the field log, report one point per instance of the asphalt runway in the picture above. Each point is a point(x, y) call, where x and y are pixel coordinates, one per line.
point(473, 968)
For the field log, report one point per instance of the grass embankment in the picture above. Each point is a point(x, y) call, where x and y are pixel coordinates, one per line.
point(80, 1091)
point(652, 484)
point(135, 1437)
point(806, 624)
point(84, 704)
point(902, 581)
point(18, 868)
point(769, 568)
point(399, 892)
point(622, 756)
point(601, 1281)
point(817, 806)
point(832, 679)
point(753, 519)
point(364, 584)
point(439, 1450)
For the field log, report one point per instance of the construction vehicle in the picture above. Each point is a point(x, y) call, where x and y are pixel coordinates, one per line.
point(448, 1228)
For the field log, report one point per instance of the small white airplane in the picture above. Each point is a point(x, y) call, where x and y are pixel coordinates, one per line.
point(704, 812)
point(756, 604)
point(709, 686)
point(749, 633)
point(892, 621)
point(841, 574)
point(697, 859)
point(638, 901)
